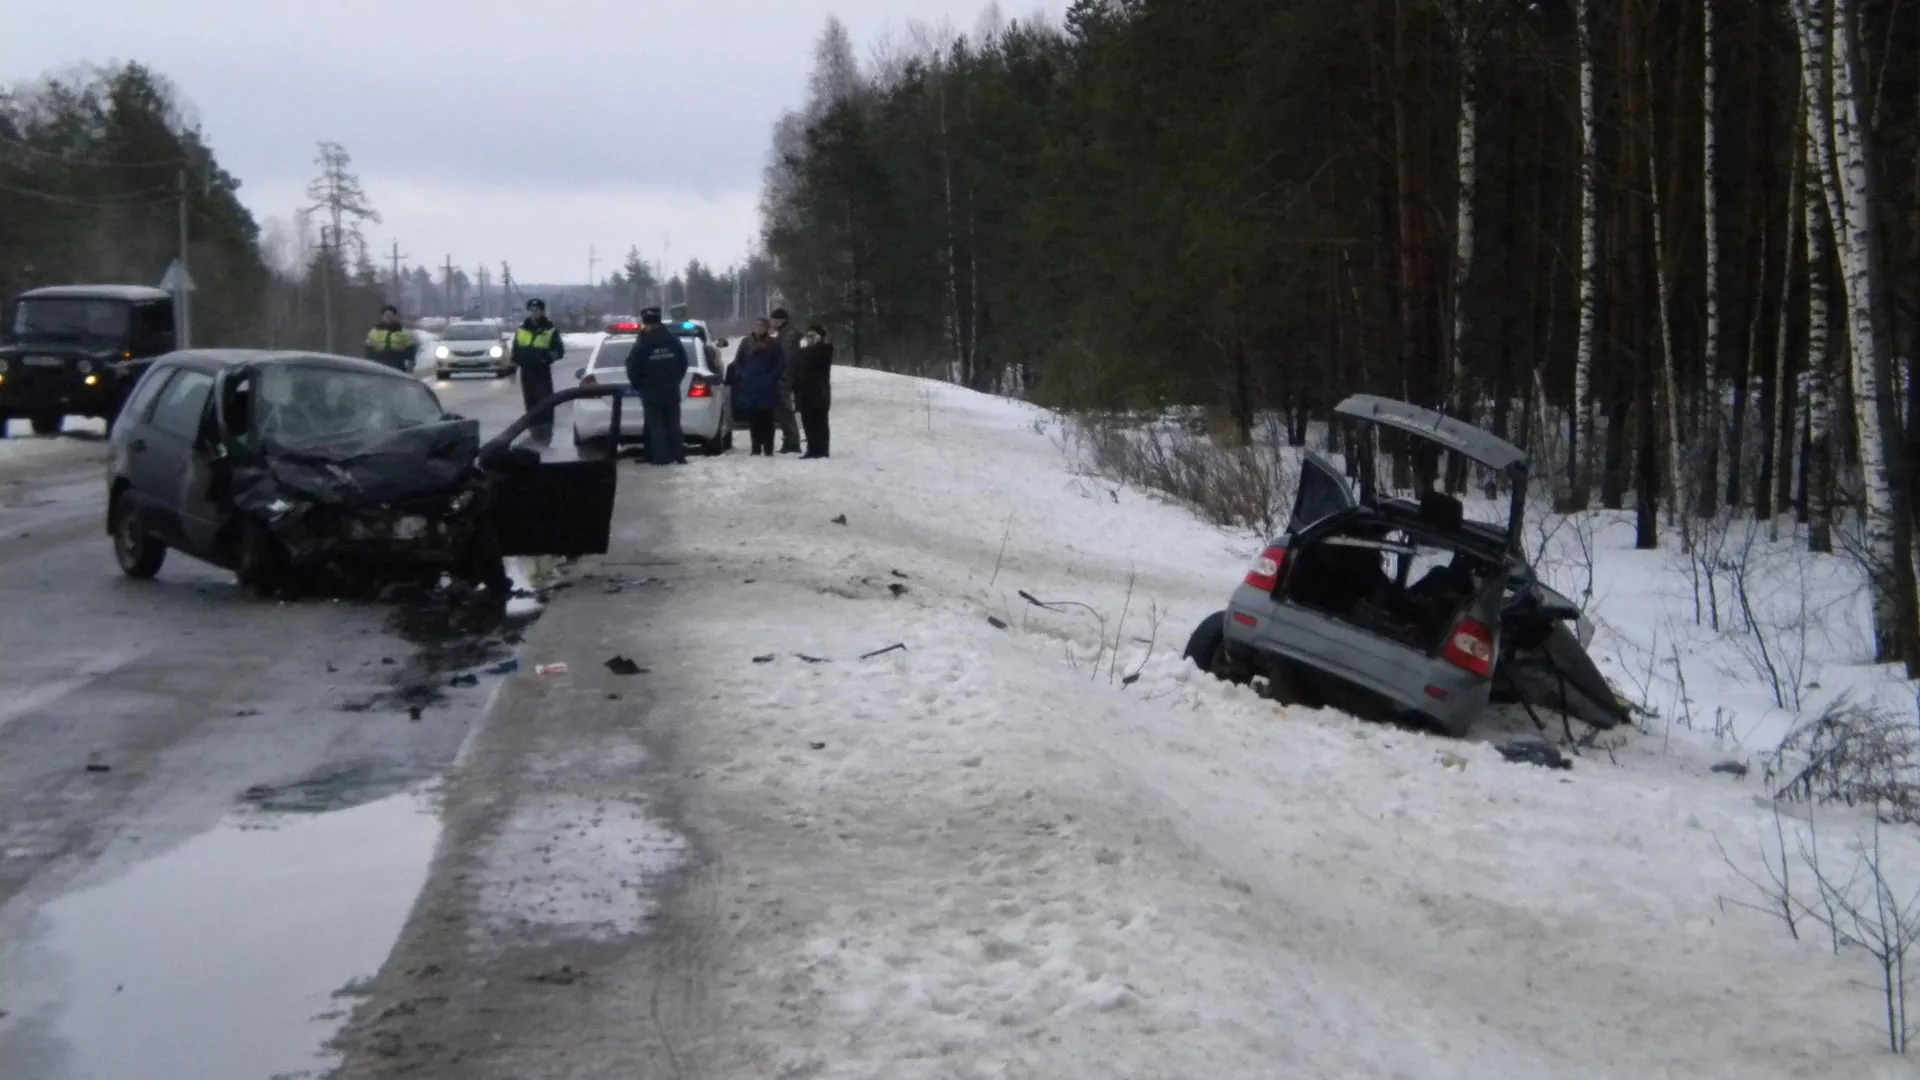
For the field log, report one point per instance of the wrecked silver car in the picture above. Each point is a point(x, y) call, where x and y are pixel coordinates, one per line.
point(1403, 608)
point(294, 469)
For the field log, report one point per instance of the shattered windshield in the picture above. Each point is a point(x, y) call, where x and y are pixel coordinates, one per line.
point(307, 404)
point(58, 318)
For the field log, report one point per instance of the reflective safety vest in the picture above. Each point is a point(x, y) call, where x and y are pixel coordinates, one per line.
point(382, 340)
point(534, 339)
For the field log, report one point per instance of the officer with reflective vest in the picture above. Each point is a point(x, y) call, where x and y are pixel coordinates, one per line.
point(390, 343)
point(536, 346)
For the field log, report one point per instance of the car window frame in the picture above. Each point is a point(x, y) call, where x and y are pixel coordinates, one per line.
point(607, 347)
point(198, 426)
point(146, 392)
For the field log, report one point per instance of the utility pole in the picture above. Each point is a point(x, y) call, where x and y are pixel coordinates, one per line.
point(182, 297)
point(446, 294)
point(593, 260)
point(506, 288)
point(396, 256)
point(326, 285)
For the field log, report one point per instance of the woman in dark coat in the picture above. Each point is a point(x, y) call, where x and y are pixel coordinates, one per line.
point(756, 386)
point(813, 388)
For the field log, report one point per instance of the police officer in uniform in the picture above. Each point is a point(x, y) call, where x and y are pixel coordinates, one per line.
point(536, 347)
point(655, 367)
point(390, 343)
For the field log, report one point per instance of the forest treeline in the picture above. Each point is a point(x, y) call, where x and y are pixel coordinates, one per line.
point(1675, 244)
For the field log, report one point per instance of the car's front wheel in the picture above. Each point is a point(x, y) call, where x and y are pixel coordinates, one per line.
point(262, 563)
point(137, 551)
point(48, 423)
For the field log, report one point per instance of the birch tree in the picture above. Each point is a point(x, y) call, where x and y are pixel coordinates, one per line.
point(1711, 432)
point(1585, 409)
point(1827, 64)
point(1466, 160)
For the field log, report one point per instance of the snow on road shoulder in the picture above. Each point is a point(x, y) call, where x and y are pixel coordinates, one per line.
point(1049, 848)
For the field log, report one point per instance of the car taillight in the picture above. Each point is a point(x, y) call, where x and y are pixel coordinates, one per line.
point(1470, 648)
point(590, 381)
point(1265, 574)
point(700, 389)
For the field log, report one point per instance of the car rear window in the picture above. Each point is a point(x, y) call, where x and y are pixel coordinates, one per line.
point(612, 353)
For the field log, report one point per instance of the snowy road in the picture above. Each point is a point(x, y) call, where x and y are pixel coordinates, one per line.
point(138, 717)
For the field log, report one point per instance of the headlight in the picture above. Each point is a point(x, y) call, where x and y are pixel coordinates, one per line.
point(441, 353)
point(86, 367)
point(496, 352)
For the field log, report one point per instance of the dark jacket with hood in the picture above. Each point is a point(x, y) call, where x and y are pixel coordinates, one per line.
point(537, 341)
point(761, 367)
point(656, 365)
point(813, 376)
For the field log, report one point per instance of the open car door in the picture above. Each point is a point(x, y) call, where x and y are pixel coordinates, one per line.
point(551, 507)
point(1322, 493)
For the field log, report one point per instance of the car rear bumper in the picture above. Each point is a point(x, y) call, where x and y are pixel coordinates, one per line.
point(1380, 677)
point(701, 419)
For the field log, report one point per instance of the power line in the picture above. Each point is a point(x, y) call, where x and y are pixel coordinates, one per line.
point(69, 160)
point(154, 197)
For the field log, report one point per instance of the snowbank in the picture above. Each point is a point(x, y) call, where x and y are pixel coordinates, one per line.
point(1042, 846)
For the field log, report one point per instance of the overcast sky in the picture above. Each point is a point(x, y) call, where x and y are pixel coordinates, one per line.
point(486, 130)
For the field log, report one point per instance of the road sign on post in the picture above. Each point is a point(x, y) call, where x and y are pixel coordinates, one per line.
point(180, 283)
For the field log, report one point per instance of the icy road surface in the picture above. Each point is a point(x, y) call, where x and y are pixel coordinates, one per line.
point(211, 814)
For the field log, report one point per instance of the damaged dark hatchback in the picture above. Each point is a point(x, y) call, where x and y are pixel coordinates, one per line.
point(292, 469)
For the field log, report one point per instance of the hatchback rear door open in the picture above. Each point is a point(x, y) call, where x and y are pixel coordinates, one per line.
point(1445, 433)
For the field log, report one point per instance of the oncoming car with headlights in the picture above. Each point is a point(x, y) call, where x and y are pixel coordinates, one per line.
point(468, 348)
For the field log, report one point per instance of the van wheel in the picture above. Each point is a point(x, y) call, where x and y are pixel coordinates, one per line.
point(135, 549)
point(48, 423)
point(262, 565)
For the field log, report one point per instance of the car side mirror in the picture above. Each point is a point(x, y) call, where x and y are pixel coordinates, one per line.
point(579, 373)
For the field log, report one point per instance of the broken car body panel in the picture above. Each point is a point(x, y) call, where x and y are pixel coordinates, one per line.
point(1346, 619)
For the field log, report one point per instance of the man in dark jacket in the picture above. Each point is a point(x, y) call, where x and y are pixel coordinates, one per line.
point(789, 338)
point(390, 343)
point(755, 376)
point(537, 345)
point(655, 367)
point(813, 388)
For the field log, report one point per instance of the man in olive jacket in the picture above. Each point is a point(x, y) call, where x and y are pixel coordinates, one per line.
point(537, 345)
point(391, 343)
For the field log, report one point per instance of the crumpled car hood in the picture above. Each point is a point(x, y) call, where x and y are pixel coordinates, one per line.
point(362, 470)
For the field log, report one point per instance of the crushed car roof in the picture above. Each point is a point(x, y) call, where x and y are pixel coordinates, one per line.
point(1462, 438)
point(95, 292)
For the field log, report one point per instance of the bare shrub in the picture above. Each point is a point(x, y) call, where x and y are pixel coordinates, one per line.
point(1864, 910)
point(1249, 488)
point(1854, 753)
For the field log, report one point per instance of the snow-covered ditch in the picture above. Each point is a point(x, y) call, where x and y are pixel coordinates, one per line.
point(1033, 842)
